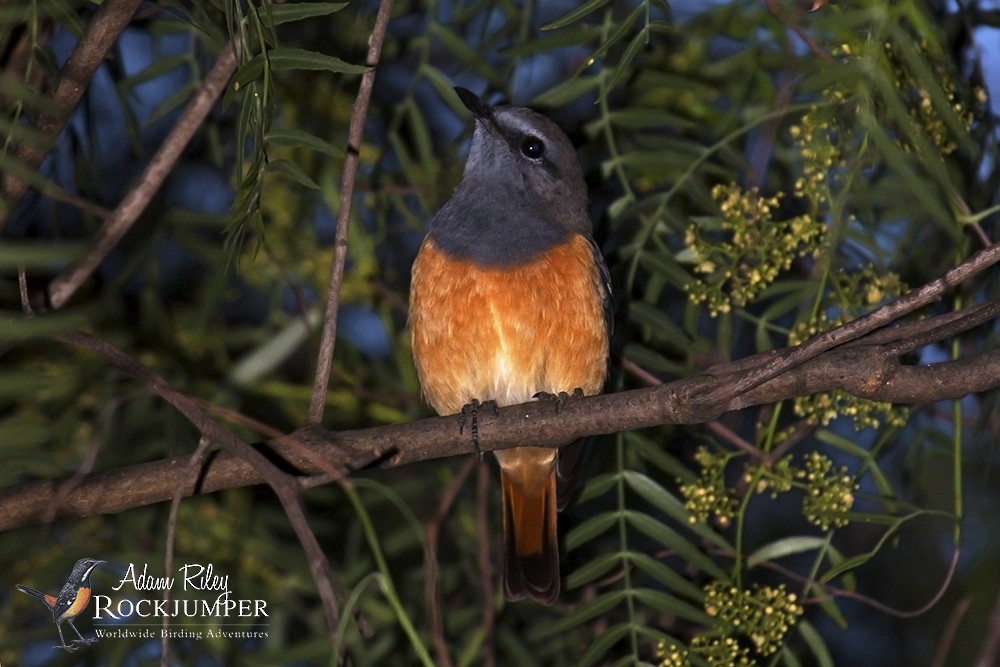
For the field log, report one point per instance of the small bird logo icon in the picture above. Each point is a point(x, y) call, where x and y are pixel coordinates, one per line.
point(71, 601)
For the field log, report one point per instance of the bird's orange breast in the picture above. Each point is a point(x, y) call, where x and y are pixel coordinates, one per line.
point(505, 334)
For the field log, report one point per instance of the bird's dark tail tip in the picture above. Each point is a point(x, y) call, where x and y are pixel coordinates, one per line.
point(531, 563)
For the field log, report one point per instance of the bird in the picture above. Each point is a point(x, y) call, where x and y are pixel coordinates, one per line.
point(71, 601)
point(510, 300)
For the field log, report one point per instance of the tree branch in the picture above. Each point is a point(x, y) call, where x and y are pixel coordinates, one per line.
point(135, 202)
point(102, 32)
point(782, 360)
point(283, 484)
point(354, 135)
point(868, 371)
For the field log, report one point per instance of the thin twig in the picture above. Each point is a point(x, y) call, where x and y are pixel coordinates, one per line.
point(108, 22)
point(990, 649)
point(949, 631)
point(194, 464)
point(431, 593)
point(798, 30)
point(484, 549)
point(135, 202)
point(56, 193)
point(835, 592)
point(358, 114)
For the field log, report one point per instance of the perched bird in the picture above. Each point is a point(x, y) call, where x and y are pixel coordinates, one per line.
point(510, 299)
point(71, 601)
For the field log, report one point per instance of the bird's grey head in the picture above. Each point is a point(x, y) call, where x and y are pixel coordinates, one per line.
point(528, 160)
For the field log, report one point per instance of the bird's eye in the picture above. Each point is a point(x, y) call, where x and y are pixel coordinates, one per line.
point(533, 148)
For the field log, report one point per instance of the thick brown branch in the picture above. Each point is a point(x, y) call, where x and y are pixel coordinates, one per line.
point(865, 370)
point(781, 360)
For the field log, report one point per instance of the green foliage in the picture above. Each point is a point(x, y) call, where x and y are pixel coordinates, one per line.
point(752, 192)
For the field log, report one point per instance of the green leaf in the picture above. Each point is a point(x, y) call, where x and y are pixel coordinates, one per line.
point(669, 604)
point(590, 529)
point(24, 133)
point(158, 68)
point(15, 254)
point(173, 102)
point(302, 139)
point(22, 327)
point(605, 640)
point(787, 546)
point(666, 267)
point(298, 11)
point(652, 492)
point(444, 87)
point(576, 14)
point(578, 35)
point(590, 610)
point(666, 575)
point(465, 54)
point(655, 453)
point(595, 569)
point(597, 487)
point(653, 317)
point(293, 171)
point(671, 539)
point(815, 643)
point(623, 68)
point(285, 58)
point(882, 482)
point(18, 384)
point(651, 360)
point(640, 118)
point(566, 92)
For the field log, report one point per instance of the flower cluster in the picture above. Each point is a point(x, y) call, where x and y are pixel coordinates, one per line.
point(824, 407)
point(852, 294)
point(759, 617)
point(763, 614)
point(922, 109)
point(823, 163)
point(777, 479)
point(709, 496)
point(713, 651)
point(829, 492)
point(750, 250)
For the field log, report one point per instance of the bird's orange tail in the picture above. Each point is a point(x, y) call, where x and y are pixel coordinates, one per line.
point(531, 564)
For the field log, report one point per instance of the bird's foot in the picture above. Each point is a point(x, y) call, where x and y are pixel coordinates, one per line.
point(470, 416)
point(558, 398)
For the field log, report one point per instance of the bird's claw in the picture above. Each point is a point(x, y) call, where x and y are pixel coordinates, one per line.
point(470, 415)
point(558, 398)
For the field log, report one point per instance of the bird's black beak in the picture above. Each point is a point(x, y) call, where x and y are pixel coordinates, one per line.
point(481, 110)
